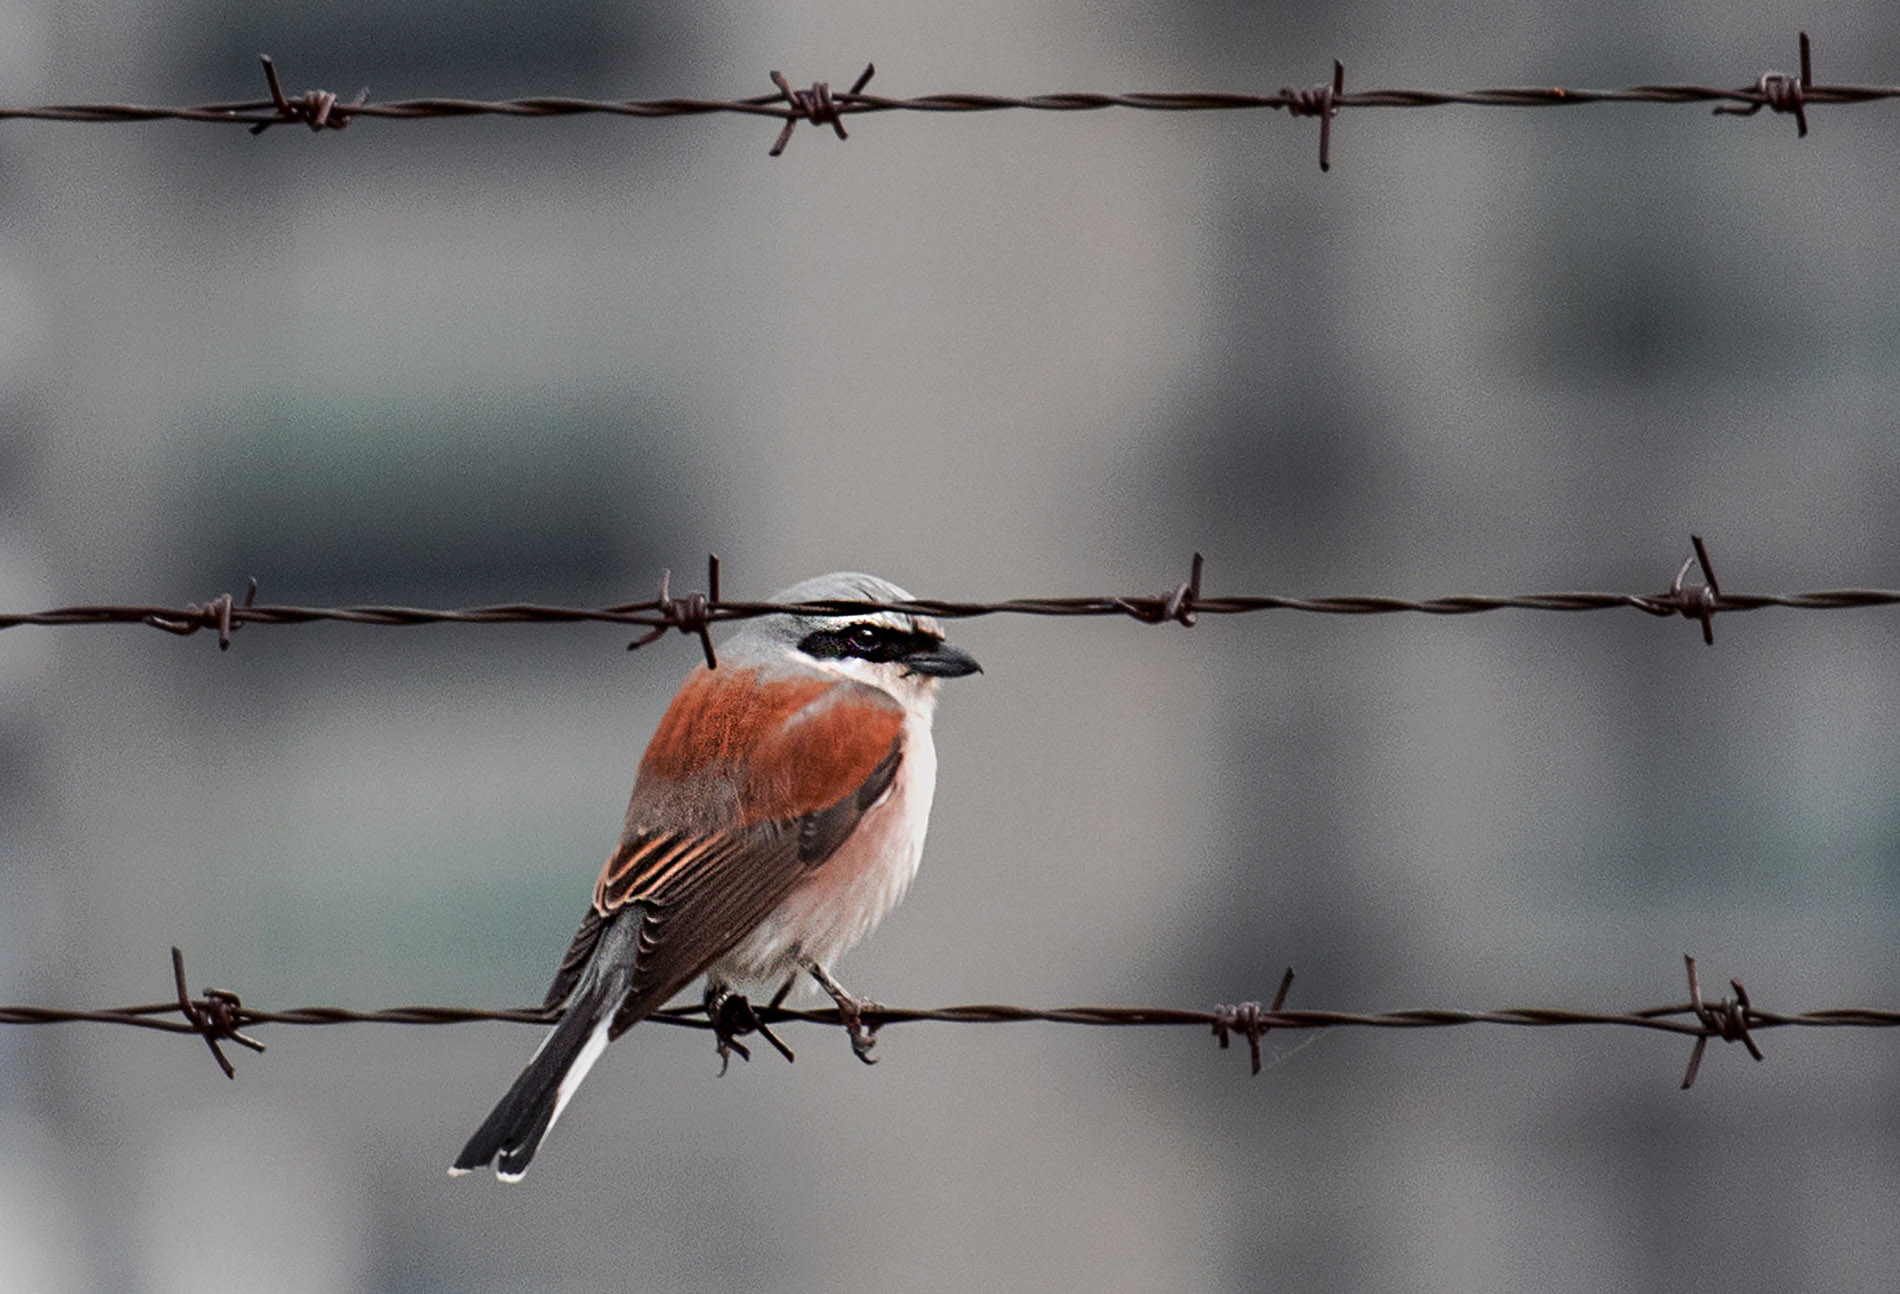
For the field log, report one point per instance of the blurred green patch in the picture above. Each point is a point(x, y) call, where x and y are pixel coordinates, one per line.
point(400, 497)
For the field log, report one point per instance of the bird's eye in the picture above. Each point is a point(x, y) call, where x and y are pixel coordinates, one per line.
point(873, 642)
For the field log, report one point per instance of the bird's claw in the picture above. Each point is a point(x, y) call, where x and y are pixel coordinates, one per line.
point(850, 1011)
point(733, 1016)
point(862, 1039)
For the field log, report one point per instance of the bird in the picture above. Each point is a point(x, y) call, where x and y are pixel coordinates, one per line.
point(778, 814)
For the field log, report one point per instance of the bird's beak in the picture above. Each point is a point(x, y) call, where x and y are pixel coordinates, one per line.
point(941, 661)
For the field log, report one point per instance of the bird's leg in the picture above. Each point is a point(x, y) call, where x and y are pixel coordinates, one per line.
point(732, 1017)
point(850, 1010)
point(784, 991)
point(728, 1011)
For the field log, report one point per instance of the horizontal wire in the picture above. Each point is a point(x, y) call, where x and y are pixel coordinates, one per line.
point(821, 105)
point(264, 112)
point(695, 613)
point(1141, 607)
point(220, 1016)
point(156, 1017)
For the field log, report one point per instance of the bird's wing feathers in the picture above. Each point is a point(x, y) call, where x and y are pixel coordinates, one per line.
point(575, 959)
point(817, 756)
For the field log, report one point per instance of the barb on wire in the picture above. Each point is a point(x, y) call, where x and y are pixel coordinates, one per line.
point(1781, 93)
point(690, 614)
point(695, 613)
point(215, 614)
point(1247, 1020)
point(1179, 606)
point(214, 1017)
point(814, 105)
point(1691, 603)
point(219, 1016)
point(1727, 1019)
point(1322, 102)
point(821, 105)
point(317, 109)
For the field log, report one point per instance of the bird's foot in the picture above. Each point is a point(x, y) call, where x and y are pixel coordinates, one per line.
point(850, 1010)
point(733, 1016)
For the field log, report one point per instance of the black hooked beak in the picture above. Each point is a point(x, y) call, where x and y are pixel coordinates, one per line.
point(940, 660)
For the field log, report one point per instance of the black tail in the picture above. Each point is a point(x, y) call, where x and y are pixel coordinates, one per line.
point(513, 1130)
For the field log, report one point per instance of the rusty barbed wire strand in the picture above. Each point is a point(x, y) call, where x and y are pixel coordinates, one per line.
point(1780, 92)
point(218, 1016)
point(694, 614)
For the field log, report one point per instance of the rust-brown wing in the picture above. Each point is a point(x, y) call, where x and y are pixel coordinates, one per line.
point(795, 786)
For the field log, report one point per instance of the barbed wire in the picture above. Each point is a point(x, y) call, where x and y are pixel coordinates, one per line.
point(695, 613)
point(1779, 92)
point(219, 1016)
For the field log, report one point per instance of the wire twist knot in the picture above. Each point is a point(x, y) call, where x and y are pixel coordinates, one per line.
point(215, 1016)
point(692, 614)
point(215, 614)
point(1693, 603)
point(1780, 92)
point(1246, 1019)
point(1726, 1019)
point(1178, 606)
point(1321, 101)
point(317, 109)
point(815, 105)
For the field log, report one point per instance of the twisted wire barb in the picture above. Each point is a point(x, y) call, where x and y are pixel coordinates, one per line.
point(321, 110)
point(218, 1016)
point(694, 614)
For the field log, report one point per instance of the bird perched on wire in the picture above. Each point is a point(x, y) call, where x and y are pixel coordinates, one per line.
point(778, 814)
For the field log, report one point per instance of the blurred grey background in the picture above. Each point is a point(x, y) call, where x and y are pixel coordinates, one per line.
point(462, 362)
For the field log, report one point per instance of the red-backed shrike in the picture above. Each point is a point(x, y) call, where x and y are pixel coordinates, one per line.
point(778, 814)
